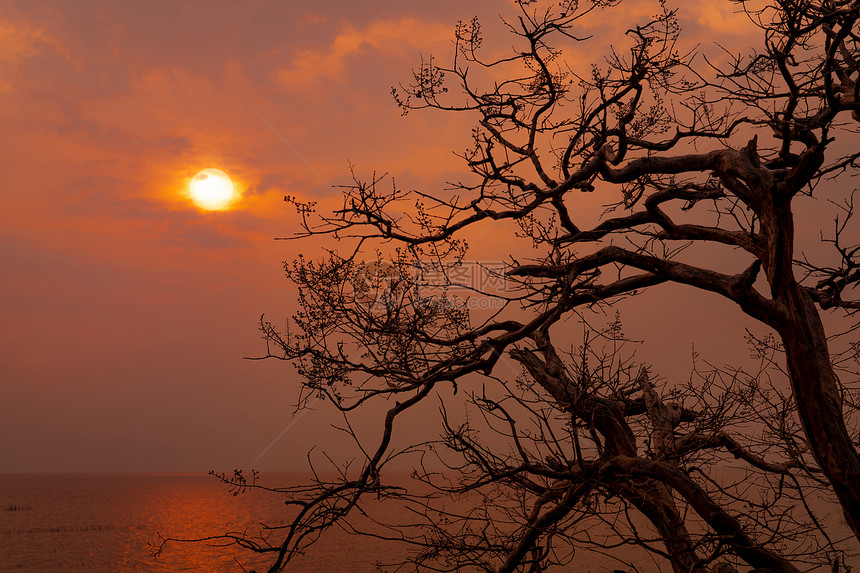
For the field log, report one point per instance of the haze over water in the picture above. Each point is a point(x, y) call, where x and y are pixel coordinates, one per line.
point(105, 523)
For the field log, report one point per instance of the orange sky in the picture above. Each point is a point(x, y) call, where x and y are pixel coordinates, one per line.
point(126, 311)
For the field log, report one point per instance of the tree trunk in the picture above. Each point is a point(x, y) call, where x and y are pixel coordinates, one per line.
point(652, 498)
point(655, 501)
point(816, 391)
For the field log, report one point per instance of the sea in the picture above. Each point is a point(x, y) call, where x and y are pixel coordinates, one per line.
point(109, 524)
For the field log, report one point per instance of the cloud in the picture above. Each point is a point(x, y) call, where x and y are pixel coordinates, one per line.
point(20, 40)
point(399, 38)
point(203, 234)
point(269, 182)
point(720, 20)
point(173, 144)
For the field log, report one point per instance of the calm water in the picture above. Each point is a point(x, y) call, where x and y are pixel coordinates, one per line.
point(104, 524)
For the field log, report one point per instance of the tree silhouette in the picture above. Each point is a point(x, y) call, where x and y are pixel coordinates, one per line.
point(696, 158)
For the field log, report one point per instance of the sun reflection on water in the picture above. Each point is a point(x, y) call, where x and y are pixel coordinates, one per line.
point(106, 523)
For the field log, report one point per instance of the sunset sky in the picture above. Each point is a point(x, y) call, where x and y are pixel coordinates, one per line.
point(126, 310)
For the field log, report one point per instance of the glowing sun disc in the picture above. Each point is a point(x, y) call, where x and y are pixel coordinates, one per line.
point(211, 189)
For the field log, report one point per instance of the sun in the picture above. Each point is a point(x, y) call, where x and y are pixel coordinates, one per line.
point(211, 189)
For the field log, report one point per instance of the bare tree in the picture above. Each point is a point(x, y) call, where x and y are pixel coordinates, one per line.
point(595, 449)
point(697, 158)
point(592, 459)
